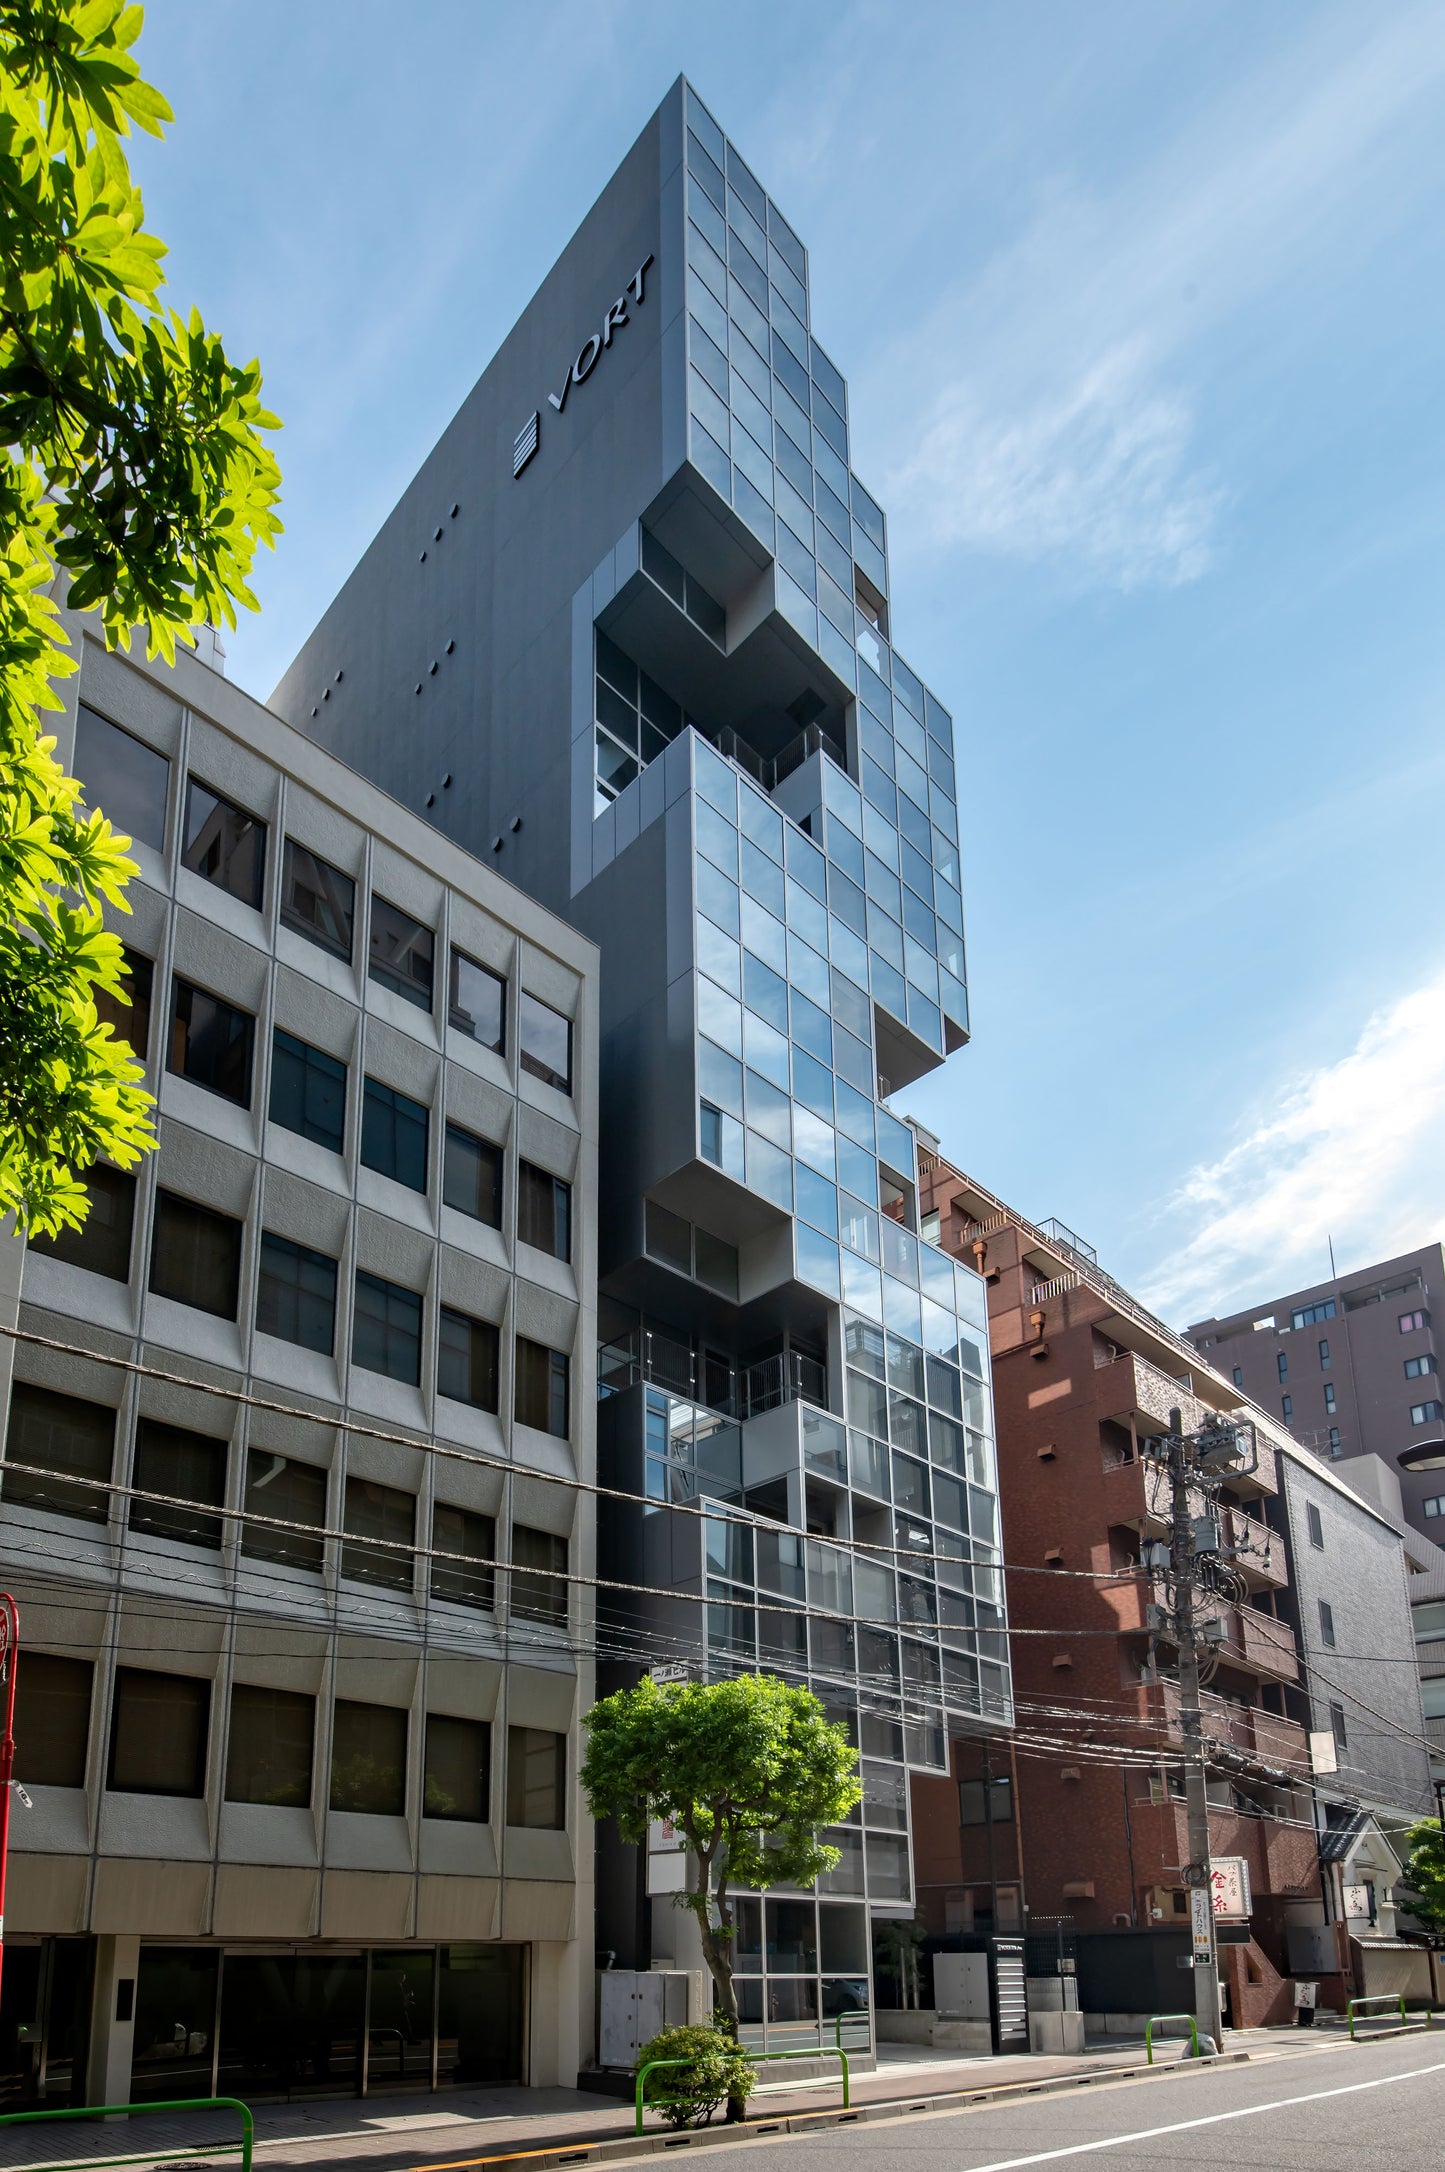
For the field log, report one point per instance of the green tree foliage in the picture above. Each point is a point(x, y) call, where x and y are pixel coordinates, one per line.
point(134, 481)
point(716, 2072)
point(1424, 1872)
point(747, 1770)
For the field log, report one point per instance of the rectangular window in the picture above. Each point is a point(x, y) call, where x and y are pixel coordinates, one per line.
point(536, 1779)
point(1411, 1322)
point(1239, 1376)
point(378, 1512)
point(122, 778)
point(1311, 1315)
point(196, 1255)
point(187, 1466)
point(1282, 1364)
point(983, 1802)
point(102, 1243)
point(1286, 1403)
point(1327, 1622)
point(296, 1294)
point(386, 1334)
point(1424, 1413)
point(52, 1720)
point(469, 1541)
point(539, 1575)
point(468, 1359)
point(368, 1758)
point(541, 1387)
point(292, 1492)
point(1334, 1440)
point(544, 1211)
point(1316, 1525)
point(224, 844)
point(62, 1435)
point(478, 1006)
point(546, 1044)
point(401, 953)
point(317, 900)
point(158, 1729)
point(211, 1042)
point(457, 1782)
point(1417, 1367)
point(272, 1742)
point(1435, 1506)
point(1337, 1724)
point(308, 1091)
point(130, 1022)
point(1324, 1357)
point(472, 1176)
point(394, 1135)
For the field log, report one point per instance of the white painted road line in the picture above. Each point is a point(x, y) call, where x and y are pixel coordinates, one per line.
point(1212, 2119)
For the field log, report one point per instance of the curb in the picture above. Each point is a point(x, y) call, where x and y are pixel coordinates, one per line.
point(657, 2140)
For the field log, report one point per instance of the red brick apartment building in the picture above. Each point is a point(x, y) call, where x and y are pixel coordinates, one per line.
point(1088, 1812)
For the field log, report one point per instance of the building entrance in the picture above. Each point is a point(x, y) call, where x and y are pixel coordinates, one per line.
point(267, 2023)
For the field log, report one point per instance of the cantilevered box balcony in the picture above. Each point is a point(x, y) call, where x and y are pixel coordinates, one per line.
point(1260, 1643)
point(1129, 1389)
point(1259, 1552)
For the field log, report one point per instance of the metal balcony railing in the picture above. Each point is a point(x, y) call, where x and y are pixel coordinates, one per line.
point(649, 1355)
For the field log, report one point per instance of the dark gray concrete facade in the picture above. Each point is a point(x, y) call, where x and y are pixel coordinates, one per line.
point(626, 637)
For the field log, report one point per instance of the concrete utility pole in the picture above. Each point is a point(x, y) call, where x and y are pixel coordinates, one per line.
point(1183, 1476)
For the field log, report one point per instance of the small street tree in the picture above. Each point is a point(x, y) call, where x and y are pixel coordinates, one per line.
point(131, 469)
point(747, 1770)
point(1424, 1872)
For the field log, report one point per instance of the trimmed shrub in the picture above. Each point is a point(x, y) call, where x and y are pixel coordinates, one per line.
point(717, 2069)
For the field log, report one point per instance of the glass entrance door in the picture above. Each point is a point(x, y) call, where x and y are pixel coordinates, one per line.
point(291, 2023)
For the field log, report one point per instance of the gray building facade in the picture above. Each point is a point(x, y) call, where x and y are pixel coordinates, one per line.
point(628, 635)
point(295, 1498)
point(1350, 1365)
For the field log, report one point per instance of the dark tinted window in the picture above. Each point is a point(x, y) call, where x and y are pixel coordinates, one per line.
point(158, 1729)
point(386, 1337)
point(102, 1243)
point(472, 1176)
point(394, 1135)
point(224, 844)
point(211, 1042)
point(190, 1466)
point(479, 1002)
point(457, 1780)
point(131, 1021)
point(268, 1758)
point(60, 1434)
point(467, 1359)
point(546, 1043)
point(539, 1574)
point(291, 1492)
point(401, 952)
point(544, 1211)
point(308, 1091)
point(296, 1294)
point(541, 1387)
point(196, 1255)
point(124, 780)
point(469, 1578)
point(52, 1719)
point(317, 899)
point(536, 1778)
point(368, 1758)
point(378, 1512)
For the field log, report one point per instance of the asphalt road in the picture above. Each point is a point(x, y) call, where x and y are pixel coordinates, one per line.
point(1342, 2108)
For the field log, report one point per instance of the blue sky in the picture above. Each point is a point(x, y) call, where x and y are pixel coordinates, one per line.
point(1142, 308)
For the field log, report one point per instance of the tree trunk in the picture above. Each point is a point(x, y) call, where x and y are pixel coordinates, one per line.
point(717, 1949)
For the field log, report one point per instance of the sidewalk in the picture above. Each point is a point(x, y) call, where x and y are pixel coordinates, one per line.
point(389, 2133)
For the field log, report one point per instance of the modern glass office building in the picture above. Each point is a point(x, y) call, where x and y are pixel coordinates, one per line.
point(628, 635)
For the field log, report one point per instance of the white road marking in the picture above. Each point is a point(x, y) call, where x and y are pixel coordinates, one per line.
point(1211, 2119)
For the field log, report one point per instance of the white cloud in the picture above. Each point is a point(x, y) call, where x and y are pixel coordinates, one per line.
point(1064, 420)
point(1355, 1152)
point(1099, 468)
